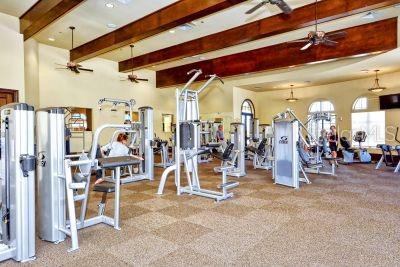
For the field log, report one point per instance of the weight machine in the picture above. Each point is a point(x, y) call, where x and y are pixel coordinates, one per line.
point(161, 147)
point(263, 153)
point(64, 180)
point(291, 151)
point(207, 136)
point(187, 144)
point(141, 139)
point(17, 177)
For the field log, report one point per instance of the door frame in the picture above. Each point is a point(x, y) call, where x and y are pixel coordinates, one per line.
point(15, 93)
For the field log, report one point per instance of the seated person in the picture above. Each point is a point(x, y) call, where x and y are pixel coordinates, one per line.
point(117, 148)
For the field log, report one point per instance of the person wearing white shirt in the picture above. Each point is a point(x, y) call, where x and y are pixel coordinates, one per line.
point(117, 148)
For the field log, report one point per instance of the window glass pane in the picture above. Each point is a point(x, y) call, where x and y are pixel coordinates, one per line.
point(373, 123)
point(246, 107)
point(321, 106)
point(361, 103)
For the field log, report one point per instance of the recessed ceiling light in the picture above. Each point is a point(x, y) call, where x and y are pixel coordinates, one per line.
point(111, 26)
point(171, 31)
point(125, 2)
point(202, 58)
point(110, 5)
point(51, 39)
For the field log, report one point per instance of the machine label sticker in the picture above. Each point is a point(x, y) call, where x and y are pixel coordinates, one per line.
point(283, 140)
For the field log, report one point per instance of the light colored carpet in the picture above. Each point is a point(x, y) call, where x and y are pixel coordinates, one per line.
point(352, 219)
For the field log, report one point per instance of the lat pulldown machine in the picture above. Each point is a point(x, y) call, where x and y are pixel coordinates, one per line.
point(17, 177)
point(188, 143)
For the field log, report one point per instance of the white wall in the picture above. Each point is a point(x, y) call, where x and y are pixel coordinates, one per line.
point(11, 55)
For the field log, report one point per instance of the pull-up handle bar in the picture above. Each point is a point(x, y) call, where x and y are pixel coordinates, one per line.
point(211, 78)
point(128, 103)
point(197, 73)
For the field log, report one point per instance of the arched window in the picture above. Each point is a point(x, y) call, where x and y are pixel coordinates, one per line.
point(317, 123)
point(247, 114)
point(361, 103)
point(321, 106)
point(365, 118)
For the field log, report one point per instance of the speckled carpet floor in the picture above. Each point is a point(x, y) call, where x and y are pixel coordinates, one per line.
point(352, 219)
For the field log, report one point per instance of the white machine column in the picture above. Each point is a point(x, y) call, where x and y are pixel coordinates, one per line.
point(146, 115)
point(286, 165)
point(17, 177)
point(255, 129)
point(50, 132)
point(239, 139)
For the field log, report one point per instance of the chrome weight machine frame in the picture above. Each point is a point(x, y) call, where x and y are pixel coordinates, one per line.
point(188, 143)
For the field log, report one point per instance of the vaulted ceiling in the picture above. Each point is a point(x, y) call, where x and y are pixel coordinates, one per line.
point(163, 40)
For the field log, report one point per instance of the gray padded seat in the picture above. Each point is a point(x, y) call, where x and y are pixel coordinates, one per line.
point(104, 187)
point(113, 162)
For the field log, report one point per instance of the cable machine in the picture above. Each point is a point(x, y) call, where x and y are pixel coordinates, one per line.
point(17, 177)
point(188, 143)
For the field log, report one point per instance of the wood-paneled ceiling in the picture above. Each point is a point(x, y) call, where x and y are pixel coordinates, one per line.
point(217, 26)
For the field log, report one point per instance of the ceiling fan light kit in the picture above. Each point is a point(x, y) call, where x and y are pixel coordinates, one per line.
point(73, 66)
point(318, 37)
point(132, 77)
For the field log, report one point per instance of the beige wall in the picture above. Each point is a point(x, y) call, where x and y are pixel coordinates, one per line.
point(342, 95)
point(11, 55)
point(64, 88)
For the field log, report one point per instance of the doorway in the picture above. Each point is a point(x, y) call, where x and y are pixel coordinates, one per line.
point(8, 96)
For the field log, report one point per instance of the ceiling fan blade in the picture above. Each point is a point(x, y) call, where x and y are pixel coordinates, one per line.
point(252, 10)
point(336, 35)
point(85, 69)
point(75, 70)
point(143, 80)
point(282, 5)
point(62, 68)
point(329, 42)
point(60, 64)
point(136, 81)
point(300, 41)
point(310, 43)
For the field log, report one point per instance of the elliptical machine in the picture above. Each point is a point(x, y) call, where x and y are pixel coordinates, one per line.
point(350, 152)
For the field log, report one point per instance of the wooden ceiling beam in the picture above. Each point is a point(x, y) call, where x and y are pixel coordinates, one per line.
point(360, 40)
point(176, 14)
point(43, 13)
point(301, 17)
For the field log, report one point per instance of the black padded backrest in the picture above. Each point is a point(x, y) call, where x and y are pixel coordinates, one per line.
point(261, 147)
point(345, 143)
point(228, 151)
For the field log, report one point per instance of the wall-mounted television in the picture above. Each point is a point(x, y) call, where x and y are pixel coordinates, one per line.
point(389, 101)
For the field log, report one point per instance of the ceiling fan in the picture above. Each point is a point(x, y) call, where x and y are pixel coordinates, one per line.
point(73, 66)
point(132, 77)
point(318, 37)
point(279, 3)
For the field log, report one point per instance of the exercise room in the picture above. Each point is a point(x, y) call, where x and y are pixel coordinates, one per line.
point(199, 133)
